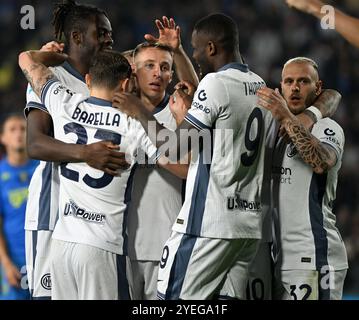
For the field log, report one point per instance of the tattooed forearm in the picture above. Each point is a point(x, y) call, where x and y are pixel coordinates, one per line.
point(27, 76)
point(36, 74)
point(312, 151)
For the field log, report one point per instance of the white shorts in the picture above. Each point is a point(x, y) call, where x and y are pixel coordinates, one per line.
point(83, 272)
point(309, 285)
point(142, 278)
point(37, 247)
point(259, 286)
point(195, 268)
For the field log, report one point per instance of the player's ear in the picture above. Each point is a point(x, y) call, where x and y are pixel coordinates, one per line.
point(211, 48)
point(125, 85)
point(171, 77)
point(318, 87)
point(88, 80)
point(76, 37)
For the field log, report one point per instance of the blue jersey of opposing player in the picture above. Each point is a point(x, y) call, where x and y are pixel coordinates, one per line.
point(13, 197)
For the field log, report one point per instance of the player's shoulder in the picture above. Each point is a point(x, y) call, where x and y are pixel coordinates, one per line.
point(328, 123)
point(212, 84)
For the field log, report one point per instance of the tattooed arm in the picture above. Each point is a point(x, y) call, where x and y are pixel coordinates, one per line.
point(318, 155)
point(34, 66)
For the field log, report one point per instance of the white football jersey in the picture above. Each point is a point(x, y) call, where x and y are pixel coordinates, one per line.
point(93, 204)
point(42, 204)
point(224, 183)
point(306, 234)
point(155, 203)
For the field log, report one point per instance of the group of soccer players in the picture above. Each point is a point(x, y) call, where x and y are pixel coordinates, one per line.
point(106, 221)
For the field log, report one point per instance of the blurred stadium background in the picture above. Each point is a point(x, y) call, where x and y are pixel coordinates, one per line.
point(270, 33)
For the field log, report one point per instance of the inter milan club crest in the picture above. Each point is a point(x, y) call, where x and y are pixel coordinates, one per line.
point(291, 151)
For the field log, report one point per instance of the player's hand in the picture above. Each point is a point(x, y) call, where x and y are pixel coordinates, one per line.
point(308, 6)
point(12, 274)
point(181, 100)
point(53, 46)
point(128, 103)
point(273, 101)
point(169, 33)
point(188, 87)
point(105, 156)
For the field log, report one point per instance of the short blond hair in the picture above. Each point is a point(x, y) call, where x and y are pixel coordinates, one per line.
point(303, 60)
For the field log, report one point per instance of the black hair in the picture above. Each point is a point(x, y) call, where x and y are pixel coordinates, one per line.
point(222, 29)
point(108, 68)
point(69, 16)
point(7, 117)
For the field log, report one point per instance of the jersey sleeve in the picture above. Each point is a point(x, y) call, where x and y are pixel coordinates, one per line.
point(145, 144)
point(54, 95)
point(209, 100)
point(330, 133)
point(32, 101)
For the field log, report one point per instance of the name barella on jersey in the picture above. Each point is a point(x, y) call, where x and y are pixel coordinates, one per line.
point(305, 224)
point(224, 183)
point(42, 205)
point(155, 203)
point(93, 204)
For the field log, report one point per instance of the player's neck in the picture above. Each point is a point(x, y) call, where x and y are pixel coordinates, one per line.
point(151, 103)
point(101, 93)
point(226, 58)
point(80, 65)
point(17, 158)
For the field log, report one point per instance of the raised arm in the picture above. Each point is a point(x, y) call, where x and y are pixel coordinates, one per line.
point(346, 25)
point(318, 155)
point(100, 155)
point(170, 35)
point(34, 65)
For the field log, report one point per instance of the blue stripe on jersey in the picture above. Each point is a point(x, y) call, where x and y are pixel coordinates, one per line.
point(128, 192)
point(33, 105)
point(41, 298)
point(179, 267)
point(70, 69)
point(183, 190)
point(45, 198)
point(316, 194)
point(235, 65)
point(160, 296)
point(99, 102)
point(122, 283)
point(46, 87)
point(199, 196)
point(34, 249)
point(195, 122)
point(162, 104)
